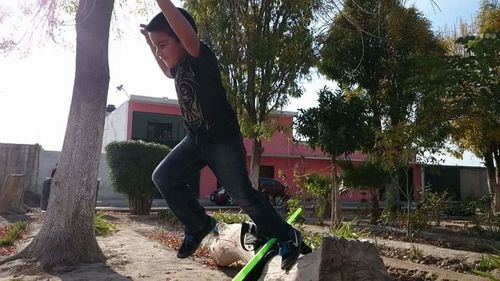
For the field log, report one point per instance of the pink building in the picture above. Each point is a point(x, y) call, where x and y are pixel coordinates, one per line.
point(160, 120)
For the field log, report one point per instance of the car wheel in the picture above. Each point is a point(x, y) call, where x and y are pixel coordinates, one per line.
point(230, 201)
point(278, 200)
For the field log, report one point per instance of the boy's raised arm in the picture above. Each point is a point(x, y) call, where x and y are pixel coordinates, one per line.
point(181, 27)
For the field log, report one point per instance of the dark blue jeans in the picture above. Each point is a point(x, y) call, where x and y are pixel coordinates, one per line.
point(227, 160)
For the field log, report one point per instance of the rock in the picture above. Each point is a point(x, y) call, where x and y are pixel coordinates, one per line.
point(496, 273)
point(11, 194)
point(337, 259)
point(225, 248)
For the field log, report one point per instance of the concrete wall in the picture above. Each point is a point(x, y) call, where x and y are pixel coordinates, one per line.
point(20, 159)
point(473, 183)
point(48, 160)
point(115, 126)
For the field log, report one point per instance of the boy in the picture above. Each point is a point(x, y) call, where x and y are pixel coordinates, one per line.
point(213, 138)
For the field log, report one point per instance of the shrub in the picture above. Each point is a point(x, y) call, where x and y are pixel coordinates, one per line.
point(293, 204)
point(13, 233)
point(311, 239)
point(389, 217)
point(346, 230)
point(487, 263)
point(420, 219)
point(461, 209)
point(131, 165)
point(102, 226)
point(228, 217)
point(434, 204)
point(319, 187)
point(168, 216)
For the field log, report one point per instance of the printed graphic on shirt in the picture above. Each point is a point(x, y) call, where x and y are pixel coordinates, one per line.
point(187, 88)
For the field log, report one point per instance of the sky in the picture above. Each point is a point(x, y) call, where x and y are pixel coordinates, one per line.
point(36, 90)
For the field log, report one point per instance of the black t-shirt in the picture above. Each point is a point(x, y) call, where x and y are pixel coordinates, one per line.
point(208, 116)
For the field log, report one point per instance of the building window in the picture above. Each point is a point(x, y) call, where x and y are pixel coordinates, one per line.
point(159, 131)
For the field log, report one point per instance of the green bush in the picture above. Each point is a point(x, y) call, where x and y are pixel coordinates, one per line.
point(319, 187)
point(389, 217)
point(168, 216)
point(347, 230)
point(434, 205)
point(461, 209)
point(229, 217)
point(102, 226)
point(486, 264)
point(293, 204)
point(420, 219)
point(131, 165)
point(311, 239)
point(13, 233)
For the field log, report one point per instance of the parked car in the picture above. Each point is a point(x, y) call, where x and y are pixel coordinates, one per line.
point(272, 189)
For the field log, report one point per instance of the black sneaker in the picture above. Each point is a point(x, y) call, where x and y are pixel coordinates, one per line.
point(193, 240)
point(290, 250)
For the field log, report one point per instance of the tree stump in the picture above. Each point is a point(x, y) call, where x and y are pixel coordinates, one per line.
point(337, 259)
point(12, 193)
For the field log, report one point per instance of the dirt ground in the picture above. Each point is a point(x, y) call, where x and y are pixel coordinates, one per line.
point(130, 256)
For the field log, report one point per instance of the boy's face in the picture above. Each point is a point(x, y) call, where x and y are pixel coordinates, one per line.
point(168, 48)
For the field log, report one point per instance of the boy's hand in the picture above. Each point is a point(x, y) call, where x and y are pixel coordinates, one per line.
point(145, 32)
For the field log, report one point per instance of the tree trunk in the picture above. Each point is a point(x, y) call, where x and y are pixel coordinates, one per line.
point(493, 184)
point(140, 205)
point(336, 208)
point(490, 169)
point(497, 182)
point(256, 155)
point(375, 213)
point(67, 236)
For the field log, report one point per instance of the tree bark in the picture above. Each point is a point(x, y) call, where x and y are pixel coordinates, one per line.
point(493, 185)
point(336, 208)
point(256, 156)
point(496, 177)
point(67, 236)
point(140, 205)
point(375, 213)
point(490, 169)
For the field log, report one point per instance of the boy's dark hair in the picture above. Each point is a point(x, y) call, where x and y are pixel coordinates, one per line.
point(160, 23)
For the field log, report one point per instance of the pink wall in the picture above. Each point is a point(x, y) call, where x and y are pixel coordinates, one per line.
point(280, 152)
point(149, 107)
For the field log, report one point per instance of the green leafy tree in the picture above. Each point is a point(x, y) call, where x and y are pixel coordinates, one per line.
point(466, 80)
point(339, 126)
point(264, 48)
point(369, 176)
point(474, 97)
point(131, 165)
point(375, 45)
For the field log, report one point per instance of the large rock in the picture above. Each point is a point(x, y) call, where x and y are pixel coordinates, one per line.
point(337, 259)
point(11, 194)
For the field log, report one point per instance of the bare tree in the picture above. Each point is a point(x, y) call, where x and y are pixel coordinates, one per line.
point(67, 236)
